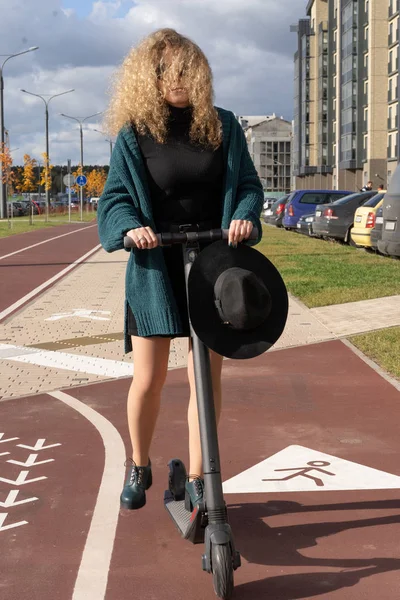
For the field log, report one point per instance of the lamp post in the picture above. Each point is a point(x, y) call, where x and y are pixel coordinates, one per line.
point(107, 140)
point(81, 120)
point(3, 192)
point(46, 103)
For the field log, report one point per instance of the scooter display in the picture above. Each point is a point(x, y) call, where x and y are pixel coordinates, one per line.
point(207, 522)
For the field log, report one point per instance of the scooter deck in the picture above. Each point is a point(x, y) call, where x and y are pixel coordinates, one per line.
point(192, 525)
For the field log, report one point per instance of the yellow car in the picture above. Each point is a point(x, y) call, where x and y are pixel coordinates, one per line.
point(364, 220)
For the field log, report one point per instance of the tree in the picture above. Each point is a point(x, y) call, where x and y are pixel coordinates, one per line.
point(18, 183)
point(29, 179)
point(48, 168)
point(95, 182)
point(6, 163)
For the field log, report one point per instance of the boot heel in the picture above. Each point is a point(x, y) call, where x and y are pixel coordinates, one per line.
point(188, 502)
point(149, 481)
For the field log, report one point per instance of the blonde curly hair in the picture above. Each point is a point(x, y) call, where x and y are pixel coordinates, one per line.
point(136, 98)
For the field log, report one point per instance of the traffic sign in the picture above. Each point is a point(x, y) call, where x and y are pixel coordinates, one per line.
point(69, 180)
point(81, 180)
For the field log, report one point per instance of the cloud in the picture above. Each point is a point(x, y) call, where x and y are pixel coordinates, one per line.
point(248, 44)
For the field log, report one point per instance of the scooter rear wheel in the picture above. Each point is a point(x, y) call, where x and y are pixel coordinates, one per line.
point(222, 569)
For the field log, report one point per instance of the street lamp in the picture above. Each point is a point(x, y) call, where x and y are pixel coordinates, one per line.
point(107, 140)
point(3, 192)
point(81, 120)
point(46, 103)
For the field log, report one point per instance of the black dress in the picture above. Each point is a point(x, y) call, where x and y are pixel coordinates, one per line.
point(186, 184)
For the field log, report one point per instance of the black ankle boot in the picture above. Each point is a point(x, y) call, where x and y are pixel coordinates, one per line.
point(194, 492)
point(139, 480)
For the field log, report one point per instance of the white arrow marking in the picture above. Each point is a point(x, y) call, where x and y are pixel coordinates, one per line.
point(10, 500)
point(3, 517)
point(38, 446)
point(21, 479)
point(4, 453)
point(9, 439)
point(30, 462)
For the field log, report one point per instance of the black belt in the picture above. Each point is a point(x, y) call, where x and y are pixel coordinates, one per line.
point(179, 228)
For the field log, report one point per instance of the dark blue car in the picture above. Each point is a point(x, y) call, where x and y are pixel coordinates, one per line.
point(302, 202)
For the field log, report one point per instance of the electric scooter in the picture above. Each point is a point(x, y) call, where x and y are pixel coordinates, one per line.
point(208, 522)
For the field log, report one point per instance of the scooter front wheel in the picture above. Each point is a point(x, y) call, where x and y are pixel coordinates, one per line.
point(222, 570)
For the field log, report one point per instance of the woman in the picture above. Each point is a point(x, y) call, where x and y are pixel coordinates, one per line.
point(178, 160)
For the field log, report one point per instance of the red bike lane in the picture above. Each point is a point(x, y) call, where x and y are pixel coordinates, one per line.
point(309, 452)
point(30, 267)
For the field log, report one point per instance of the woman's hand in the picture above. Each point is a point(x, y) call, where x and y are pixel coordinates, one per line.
point(144, 238)
point(238, 231)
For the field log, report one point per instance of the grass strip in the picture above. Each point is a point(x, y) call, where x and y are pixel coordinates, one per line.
point(322, 273)
point(21, 224)
point(383, 347)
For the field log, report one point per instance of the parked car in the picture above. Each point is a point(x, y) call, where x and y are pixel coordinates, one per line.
point(304, 202)
point(390, 241)
point(364, 220)
point(376, 232)
point(305, 224)
point(268, 200)
point(335, 220)
point(16, 209)
point(274, 215)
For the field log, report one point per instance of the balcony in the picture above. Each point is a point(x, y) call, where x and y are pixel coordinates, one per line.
point(393, 123)
point(394, 8)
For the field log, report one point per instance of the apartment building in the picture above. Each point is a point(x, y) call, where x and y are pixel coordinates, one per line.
point(269, 140)
point(346, 94)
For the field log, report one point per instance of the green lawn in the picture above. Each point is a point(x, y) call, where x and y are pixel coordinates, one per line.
point(21, 224)
point(383, 347)
point(321, 273)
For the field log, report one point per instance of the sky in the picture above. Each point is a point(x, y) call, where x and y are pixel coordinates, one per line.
point(81, 44)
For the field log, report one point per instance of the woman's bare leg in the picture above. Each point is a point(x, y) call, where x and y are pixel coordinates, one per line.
point(195, 464)
point(150, 358)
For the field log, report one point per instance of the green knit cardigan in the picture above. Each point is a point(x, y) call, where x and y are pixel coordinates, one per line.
point(125, 204)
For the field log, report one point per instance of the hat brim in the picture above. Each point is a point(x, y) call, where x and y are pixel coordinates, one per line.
point(223, 339)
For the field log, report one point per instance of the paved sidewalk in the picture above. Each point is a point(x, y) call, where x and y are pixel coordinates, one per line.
point(359, 317)
point(72, 334)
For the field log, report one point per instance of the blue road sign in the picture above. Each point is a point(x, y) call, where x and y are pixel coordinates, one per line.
point(81, 180)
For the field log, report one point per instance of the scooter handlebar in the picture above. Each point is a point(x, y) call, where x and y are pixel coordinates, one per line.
point(167, 238)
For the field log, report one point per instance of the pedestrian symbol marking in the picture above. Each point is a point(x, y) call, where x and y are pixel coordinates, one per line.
point(300, 469)
point(313, 465)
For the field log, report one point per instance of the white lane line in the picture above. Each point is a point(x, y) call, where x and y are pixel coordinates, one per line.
point(91, 581)
point(69, 362)
point(46, 241)
point(46, 284)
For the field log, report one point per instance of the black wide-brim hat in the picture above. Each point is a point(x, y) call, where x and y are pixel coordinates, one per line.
point(206, 272)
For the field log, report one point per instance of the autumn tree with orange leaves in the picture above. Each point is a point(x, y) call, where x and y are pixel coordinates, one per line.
point(29, 179)
point(95, 182)
point(6, 163)
point(43, 181)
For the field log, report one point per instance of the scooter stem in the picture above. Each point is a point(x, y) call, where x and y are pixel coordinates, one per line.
point(206, 411)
